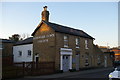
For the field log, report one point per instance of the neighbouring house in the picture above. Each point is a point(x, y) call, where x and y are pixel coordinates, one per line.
point(104, 56)
point(6, 48)
point(117, 53)
point(104, 48)
point(23, 50)
point(69, 48)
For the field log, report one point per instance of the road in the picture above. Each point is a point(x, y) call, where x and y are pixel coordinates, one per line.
point(99, 74)
point(95, 74)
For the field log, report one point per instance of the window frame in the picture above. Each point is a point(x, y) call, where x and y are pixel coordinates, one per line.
point(98, 61)
point(77, 42)
point(86, 44)
point(86, 59)
point(66, 41)
point(20, 53)
point(29, 53)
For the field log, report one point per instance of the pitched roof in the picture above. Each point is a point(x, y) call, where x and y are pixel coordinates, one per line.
point(26, 41)
point(6, 41)
point(64, 29)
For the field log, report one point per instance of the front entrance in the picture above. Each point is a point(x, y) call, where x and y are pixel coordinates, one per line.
point(66, 61)
point(77, 61)
point(37, 59)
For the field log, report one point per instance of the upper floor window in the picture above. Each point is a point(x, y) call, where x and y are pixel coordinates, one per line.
point(86, 44)
point(77, 40)
point(20, 53)
point(65, 41)
point(29, 52)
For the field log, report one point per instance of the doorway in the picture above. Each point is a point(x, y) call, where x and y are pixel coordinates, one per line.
point(37, 59)
point(66, 61)
point(77, 61)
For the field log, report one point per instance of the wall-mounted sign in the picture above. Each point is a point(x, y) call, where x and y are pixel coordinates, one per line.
point(44, 38)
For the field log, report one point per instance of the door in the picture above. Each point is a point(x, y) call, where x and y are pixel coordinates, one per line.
point(37, 59)
point(77, 61)
point(66, 62)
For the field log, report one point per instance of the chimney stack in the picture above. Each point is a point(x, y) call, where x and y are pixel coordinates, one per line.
point(45, 14)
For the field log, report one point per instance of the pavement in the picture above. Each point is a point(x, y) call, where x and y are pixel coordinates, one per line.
point(67, 74)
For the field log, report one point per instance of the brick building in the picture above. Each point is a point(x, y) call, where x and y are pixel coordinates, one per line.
point(69, 48)
point(7, 51)
point(117, 53)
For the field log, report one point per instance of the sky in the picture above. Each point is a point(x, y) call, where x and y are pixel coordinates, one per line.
point(98, 19)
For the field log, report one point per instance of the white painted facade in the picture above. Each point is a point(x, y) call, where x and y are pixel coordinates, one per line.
point(21, 53)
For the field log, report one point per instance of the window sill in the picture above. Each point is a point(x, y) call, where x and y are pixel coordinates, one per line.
point(65, 46)
point(86, 48)
point(19, 56)
point(29, 56)
point(77, 47)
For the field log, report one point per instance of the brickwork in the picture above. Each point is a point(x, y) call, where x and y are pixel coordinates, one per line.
point(48, 40)
point(44, 46)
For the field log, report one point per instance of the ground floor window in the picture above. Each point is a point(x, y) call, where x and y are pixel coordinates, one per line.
point(86, 59)
point(98, 60)
point(20, 53)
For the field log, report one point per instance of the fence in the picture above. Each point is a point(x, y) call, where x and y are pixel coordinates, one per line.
point(28, 69)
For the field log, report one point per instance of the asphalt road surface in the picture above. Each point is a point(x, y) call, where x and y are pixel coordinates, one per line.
point(99, 74)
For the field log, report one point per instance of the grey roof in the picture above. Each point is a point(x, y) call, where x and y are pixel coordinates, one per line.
point(26, 41)
point(6, 41)
point(64, 29)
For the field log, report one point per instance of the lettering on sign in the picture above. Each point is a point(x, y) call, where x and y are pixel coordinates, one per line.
point(43, 37)
point(41, 41)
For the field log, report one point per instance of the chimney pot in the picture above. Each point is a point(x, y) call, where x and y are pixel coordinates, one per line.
point(45, 14)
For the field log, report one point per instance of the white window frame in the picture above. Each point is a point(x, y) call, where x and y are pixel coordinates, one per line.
point(19, 53)
point(77, 42)
point(86, 44)
point(86, 61)
point(66, 41)
point(29, 52)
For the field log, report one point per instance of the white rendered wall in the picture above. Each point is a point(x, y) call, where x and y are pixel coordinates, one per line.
point(24, 49)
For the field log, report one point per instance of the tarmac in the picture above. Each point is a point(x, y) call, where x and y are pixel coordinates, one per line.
point(66, 74)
